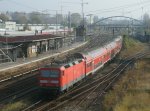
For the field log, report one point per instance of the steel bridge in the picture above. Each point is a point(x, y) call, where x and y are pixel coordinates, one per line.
point(107, 24)
point(133, 19)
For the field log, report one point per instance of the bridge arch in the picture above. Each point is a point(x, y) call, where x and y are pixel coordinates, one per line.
point(120, 17)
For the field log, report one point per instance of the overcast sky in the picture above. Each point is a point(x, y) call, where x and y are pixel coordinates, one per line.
point(102, 8)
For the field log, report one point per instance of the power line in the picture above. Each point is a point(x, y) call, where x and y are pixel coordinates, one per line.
point(119, 7)
point(129, 11)
point(72, 2)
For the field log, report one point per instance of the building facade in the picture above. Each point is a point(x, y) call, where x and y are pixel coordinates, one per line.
point(10, 26)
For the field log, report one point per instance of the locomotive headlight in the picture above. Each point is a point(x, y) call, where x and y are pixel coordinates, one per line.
point(43, 81)
point(54, 81)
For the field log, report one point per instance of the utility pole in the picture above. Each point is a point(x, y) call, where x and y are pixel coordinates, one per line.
point(56, 22)
point(69, 21)
point(63, 21)
point(6, 43)
point(82, 6)
point(90, 21)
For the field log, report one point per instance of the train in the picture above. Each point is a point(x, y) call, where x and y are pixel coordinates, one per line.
point(59, 77)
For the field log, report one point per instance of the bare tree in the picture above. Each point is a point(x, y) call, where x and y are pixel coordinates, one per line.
point(4, 17)
point(146, 20)
point(75, 19)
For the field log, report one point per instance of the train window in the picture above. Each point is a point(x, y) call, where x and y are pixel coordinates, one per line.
point(99, 64)
point(50, 73)
point(89, 64)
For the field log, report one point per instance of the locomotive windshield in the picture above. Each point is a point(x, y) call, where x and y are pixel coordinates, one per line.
point(50, 73)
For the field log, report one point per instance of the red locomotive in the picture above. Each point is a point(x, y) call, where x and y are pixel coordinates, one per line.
point(60, 77)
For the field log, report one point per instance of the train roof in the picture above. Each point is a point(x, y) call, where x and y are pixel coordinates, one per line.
point(101, 50)
point(65, 64)
point(98, 51)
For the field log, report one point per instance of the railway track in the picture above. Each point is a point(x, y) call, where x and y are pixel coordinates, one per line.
point(17, 89)
point(103, 82)
point(17, 95)
point(8, 78)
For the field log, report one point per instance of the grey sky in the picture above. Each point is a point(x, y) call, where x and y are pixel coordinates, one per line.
point(103, 8)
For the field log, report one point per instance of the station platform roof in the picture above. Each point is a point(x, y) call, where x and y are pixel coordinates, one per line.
point(27, 38)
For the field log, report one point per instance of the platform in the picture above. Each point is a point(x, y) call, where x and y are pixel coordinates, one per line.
point(25, 61)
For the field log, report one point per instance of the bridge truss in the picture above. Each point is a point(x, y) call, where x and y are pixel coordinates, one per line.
point(118, 24)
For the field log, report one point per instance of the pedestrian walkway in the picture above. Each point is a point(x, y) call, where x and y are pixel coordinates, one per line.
point(49, 54)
